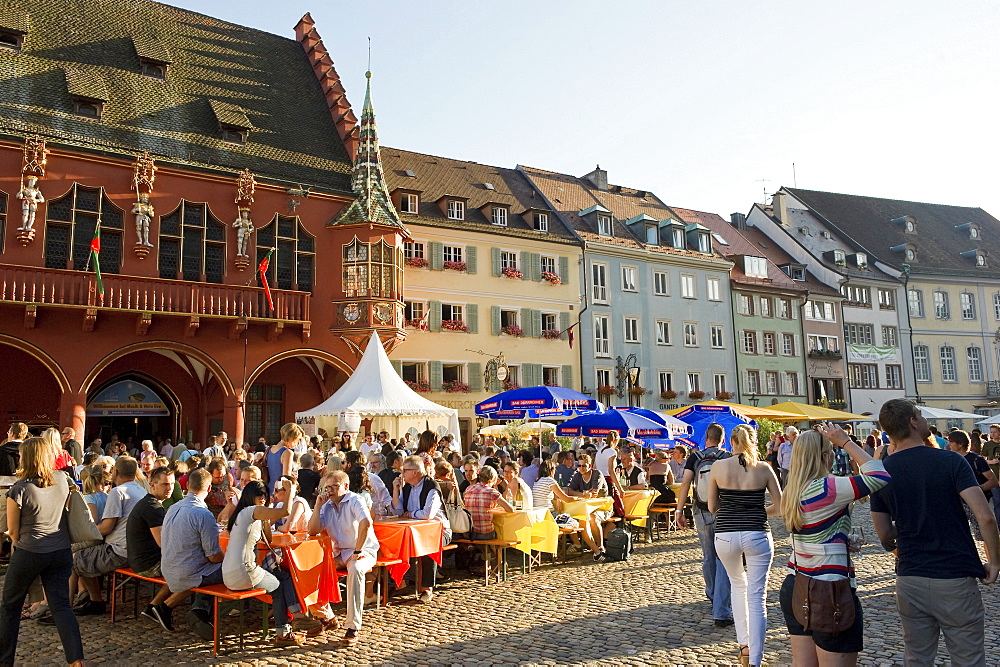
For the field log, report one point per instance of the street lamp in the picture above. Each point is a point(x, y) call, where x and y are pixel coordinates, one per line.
point(627, 372)
point(754, 400)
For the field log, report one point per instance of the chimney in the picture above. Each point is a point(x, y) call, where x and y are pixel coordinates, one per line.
point(779, 207)
point(739, 221)
point(599, 178)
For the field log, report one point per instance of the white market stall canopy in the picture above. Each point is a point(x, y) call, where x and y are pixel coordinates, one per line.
point(376, 390)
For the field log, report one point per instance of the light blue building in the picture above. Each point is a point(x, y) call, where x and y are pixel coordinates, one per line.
point(655, 295)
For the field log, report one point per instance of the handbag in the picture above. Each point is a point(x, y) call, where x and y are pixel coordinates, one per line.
point(822, 606)
point(272, 559)
point(458, 516)
point(83, 531)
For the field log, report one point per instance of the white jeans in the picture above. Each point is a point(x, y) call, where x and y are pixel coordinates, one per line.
point(356, 571)
point(749, 586)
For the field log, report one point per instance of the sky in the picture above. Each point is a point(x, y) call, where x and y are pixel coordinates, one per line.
point(707, 104)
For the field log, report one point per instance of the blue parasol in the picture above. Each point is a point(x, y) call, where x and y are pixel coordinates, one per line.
point(625, 423)
point(700, 416)
point(537, 400)
point(676, 426)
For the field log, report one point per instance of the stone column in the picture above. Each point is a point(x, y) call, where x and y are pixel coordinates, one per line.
point(232, 417)
point(73, 413)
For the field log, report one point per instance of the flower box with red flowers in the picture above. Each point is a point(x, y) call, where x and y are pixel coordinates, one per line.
point(723, 395)
point(512, 330)
point(511, 272)
point(416, 262)
point(551, 334)
point(696, 395)
point(455, 387)
point(454, 325)
point(637, 391)
point(605, 390)
point(551, 278)
point(454, 266)
point(508, 385)
point(668, 394)
point(421, 387)
point(415, 323)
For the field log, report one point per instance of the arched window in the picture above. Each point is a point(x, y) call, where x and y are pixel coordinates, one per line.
point(192, 244)
point(69, 228)
point(372, 269)
point(293, 264)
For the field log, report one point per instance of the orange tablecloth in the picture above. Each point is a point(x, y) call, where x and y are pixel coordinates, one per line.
point(404, 539)
point(310, 561)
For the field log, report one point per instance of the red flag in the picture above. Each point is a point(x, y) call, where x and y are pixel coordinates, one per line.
point(95, 251)
point(262, 270)
point(569, 334)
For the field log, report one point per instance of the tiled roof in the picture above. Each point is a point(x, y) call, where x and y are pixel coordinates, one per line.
point(267, 77)
point(435, 177)
point(938, 244)
point(776, 254)
point(572, 194)
point(741, 244)
point(15, 18)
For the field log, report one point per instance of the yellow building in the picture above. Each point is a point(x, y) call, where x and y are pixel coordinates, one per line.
point(490, 270)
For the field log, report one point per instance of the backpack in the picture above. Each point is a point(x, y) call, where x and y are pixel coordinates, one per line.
point(702, 467)
point(618, 545)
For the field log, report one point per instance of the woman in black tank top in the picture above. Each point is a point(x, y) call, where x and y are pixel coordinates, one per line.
point(736, 496)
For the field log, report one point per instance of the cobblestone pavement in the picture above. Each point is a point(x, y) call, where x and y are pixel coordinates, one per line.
point(650, 610)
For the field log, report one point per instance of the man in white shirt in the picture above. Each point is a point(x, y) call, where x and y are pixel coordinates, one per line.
point(344, 516)
point(217, 449)
point(368, 445)
point(94, 562)
point(415, 495)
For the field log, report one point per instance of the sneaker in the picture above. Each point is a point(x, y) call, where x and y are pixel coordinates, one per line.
point(426, 596)
point(162, 614)
point(323, 626)
point(599, 556)
point(46, 619)
point(350, 637)
point(198, 621)
point(91, 608)
point(373, 600)
point(307, 625)
point(291, 639)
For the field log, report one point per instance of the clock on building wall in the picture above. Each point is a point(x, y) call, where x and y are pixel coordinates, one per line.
point(384, 312)
point(352, 312)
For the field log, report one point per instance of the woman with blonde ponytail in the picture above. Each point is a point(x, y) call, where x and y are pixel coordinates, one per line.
point(816, 509)
point(736, 497)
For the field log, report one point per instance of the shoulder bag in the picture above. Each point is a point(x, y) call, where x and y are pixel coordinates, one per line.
point(822, 606)
point(83, 531)
point(458, 516)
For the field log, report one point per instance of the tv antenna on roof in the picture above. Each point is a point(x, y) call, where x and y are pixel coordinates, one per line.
point(764, 182)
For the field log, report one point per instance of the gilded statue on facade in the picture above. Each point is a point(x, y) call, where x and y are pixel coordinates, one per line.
point(32, 169)
point(244, 228)
point(30, 197)
point(143, 215)
point(245, 187)
point(143, 178)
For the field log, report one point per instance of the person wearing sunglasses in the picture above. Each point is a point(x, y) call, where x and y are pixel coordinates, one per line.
point(416, 495)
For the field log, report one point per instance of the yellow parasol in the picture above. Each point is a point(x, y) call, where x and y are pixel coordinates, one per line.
point(815, 413)
point(752, 412)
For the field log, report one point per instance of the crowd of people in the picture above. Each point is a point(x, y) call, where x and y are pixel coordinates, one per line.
point(161, 509)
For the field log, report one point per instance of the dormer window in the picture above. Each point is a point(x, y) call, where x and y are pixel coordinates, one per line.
point(907, 222)
point(456, 211)
point(499, 216)
point(704, 243)
point(11, 39)
point(908, 250)
point(233, 135)
point(604, 225)
point(152, 68)
point(678, 238)
point(88, 108)
point(652, 235)
point(409, 202)
point(980, 260)
point(861, 260)
point(540, 221)
point(911, 254)
point(977, 255)
point(796, 272)
point(755, 267)
point(972, 228)
point(839, 258)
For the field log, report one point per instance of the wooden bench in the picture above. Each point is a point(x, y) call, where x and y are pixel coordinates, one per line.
point(564, 541)
point(127, 573)
point(655, 512)
point(221, 592)
point(489, 547)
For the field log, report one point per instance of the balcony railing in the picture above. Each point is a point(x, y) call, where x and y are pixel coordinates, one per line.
point(36, 285)
point(825, 354)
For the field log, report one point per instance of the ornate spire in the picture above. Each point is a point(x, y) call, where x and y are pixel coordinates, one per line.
point(373, 204)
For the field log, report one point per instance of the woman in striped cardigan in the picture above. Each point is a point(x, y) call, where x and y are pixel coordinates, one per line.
point(816, 508)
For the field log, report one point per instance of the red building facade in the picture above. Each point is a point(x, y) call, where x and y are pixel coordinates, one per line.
point(218, 128)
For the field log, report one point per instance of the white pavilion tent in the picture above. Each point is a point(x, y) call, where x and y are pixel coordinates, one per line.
point(375, 391)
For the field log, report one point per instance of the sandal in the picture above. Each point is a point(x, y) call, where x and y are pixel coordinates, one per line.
point(744, 655)
point(39, 611)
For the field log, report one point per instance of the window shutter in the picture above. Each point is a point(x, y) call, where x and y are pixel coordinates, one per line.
point(528, 375)
point(495, 320)
point(525, 265)
point(497, 270)
point(471, 265)
point(398, 367)
point(563, 324)
point(436, 374)
point(536, 266)
point(437, 256)
point(536, 323)
point(567, 376)
point(526, 322)
point(798, 344)
point(472, 317)
point(434, 315)
point(495, 386)
point(475, 376)
point(564, 270)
